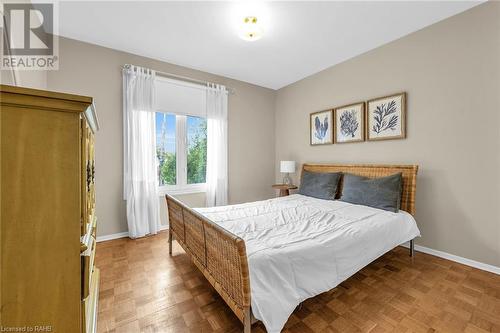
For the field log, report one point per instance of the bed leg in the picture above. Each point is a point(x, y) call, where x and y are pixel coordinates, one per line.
point(169, 241)
point(412, 248)
point(247, 321)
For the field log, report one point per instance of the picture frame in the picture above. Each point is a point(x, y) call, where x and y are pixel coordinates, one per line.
point(386, 117)
point(349, 123)
point(321, 128)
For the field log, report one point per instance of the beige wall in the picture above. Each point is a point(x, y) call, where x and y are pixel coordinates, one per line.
point(451, 72)
point(96, 71)
point(192, 200)
point(23, 78)
point(30, 79)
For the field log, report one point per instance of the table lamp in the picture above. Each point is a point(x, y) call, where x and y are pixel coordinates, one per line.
point(287, 167)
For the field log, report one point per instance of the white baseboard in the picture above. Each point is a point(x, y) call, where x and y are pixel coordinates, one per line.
point(111, 237)
point(120, 235)
point(452, 257)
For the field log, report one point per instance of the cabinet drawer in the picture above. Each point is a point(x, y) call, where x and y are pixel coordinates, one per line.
point(87, 259)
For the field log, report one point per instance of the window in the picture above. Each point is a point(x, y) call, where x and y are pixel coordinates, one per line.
point(181, 150)
point(165, 149)
point(196, 150)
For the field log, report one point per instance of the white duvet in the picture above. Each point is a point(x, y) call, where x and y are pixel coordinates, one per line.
point(299, 247)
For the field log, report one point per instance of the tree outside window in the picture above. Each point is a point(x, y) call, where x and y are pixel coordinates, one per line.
point(189, 167)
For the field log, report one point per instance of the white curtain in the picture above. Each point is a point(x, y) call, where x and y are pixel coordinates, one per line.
point(216, 145)
point(140, 179)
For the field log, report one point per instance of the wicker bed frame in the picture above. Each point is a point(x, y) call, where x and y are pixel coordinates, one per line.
point(221, 255)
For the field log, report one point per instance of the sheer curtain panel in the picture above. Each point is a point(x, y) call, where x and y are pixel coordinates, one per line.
point(140, 179)
point(216, 145)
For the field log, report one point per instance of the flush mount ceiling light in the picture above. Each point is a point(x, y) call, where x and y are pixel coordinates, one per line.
point(251, 30)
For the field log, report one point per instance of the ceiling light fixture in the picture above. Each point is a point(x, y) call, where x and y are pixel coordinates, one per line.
point(251, 30)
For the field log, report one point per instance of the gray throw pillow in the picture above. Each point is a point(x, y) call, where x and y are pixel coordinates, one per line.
point(321, 185)
point(383, 193)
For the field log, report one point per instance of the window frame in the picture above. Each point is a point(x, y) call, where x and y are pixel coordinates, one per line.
point(181, 152)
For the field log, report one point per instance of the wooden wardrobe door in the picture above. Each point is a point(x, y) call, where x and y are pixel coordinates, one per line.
point(40, 202)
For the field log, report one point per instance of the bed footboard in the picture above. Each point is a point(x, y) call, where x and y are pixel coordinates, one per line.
point(219, 254)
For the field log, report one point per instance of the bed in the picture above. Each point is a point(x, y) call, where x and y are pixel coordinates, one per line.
point(264, 258)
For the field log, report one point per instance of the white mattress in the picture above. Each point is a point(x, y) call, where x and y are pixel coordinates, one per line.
point(299, 247)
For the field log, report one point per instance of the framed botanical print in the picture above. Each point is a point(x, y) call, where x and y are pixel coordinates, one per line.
point(350, 123)
point(321, 128)
point(386, 117)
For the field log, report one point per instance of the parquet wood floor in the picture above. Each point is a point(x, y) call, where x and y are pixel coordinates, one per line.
point(145, 290)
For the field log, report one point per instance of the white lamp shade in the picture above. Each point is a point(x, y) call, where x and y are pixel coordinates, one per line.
point(287, 166)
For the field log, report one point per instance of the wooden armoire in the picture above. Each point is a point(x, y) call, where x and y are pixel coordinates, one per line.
point(47, 223)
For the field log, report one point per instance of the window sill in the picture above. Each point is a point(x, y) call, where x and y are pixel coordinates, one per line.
point(189, 189)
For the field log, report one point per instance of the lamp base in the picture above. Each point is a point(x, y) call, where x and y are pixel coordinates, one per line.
point(287, 180)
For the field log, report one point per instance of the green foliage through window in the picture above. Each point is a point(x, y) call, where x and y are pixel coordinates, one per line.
point(197, 150)
point(165, 148)
point(167, 167)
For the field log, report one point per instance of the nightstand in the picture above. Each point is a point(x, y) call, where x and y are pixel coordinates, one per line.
point(284, 189)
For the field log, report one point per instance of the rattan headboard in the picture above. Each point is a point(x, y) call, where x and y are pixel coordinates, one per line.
point(372, 171)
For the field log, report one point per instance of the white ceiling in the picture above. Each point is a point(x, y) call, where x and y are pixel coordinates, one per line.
point(300, 38)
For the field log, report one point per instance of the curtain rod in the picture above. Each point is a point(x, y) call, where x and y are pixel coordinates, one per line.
point(183, 78)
